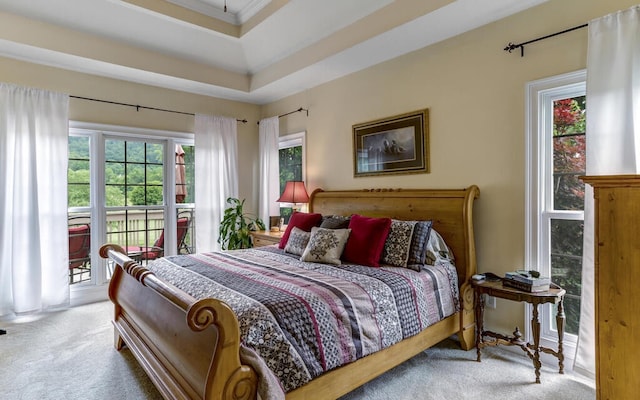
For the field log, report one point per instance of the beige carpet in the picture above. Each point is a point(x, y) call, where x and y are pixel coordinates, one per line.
point(69, 355)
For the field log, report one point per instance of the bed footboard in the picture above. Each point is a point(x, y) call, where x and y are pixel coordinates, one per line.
point(189, 348)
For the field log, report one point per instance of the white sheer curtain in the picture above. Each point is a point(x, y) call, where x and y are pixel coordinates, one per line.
point(269, 188)
point(613, 137)
point(216, 175)
point(34, 257)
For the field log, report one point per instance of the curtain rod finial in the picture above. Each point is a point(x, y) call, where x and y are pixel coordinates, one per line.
point(510, 47)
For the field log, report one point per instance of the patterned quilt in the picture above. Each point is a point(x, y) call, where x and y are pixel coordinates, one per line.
point(304, 319)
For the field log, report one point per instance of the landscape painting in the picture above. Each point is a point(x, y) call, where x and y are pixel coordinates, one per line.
point(395, 145)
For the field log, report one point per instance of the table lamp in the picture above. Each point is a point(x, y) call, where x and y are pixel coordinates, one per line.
point(294, 193)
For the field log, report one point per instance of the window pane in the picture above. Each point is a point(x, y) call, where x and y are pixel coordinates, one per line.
point(79, 147)
point(79, 228)
point(566, 266)
point(136, 181)
point(114, 150)
point(290, 170)
point(569, 157)
point(185, 168)
point(114, 196)
point(78, 172)
point(135, 152)
point(79, 195)
point(154, 196)
point(155, 153)
point(186, 231)
point(569, 164)
point(134, 229)
point(114, 173)
point(135, 174)
point(154, 174)
point(290, 165)
point(142, 195)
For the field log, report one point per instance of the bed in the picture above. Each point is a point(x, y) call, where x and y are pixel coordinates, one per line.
point(191, 349)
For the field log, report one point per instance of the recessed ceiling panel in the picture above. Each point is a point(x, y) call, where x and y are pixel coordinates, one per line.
point(235, 12)
point(299, 24)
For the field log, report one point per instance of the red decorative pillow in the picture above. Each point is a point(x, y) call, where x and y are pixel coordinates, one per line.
point(304, 221)
point(366, 240)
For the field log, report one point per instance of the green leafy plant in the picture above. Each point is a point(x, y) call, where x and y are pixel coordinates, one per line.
point(236, 226)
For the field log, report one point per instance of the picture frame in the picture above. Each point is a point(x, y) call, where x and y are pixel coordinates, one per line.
point(393, 145)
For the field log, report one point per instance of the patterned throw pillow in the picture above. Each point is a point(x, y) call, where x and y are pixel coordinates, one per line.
point(326, 245)
point(335, 222)
point(437, 249)
point(419, 241)
point(396, 247)
point(298, 240)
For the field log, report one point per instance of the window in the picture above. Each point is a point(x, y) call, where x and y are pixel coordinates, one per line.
point(555, 195)
point(291, 155)
point(79, 177)
point(134, 193)
point(79, 212)
point(127, 185)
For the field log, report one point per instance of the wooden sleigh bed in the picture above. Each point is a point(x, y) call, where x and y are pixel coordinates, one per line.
point(190, 348)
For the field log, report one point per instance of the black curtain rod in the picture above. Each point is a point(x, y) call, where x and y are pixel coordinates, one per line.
point(510, 47)
point(138, 107)
point(292, 112)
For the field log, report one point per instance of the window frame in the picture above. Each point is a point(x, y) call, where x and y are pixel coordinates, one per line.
point(294, 140)
point(98, 134)
point(539, 210)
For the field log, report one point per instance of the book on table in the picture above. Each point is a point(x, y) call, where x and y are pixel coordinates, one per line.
point(526, 287)
point(527, 278)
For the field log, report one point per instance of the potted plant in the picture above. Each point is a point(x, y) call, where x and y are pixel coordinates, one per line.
point(236, 226)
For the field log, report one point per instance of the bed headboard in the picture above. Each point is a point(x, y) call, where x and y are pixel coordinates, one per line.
point(450, 210)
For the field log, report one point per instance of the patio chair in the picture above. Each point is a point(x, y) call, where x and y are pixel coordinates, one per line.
point(79, 249)
point(157, 249)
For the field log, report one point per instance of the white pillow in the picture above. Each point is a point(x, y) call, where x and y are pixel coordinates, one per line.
point(437, 249)
point(326, 245)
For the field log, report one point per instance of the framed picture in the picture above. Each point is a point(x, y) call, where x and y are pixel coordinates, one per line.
point(394, 145)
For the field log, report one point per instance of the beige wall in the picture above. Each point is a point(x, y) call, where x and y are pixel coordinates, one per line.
point(475, 93)
point(73, 83)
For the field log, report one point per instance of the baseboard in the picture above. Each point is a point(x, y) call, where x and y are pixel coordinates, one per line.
point(86, 294)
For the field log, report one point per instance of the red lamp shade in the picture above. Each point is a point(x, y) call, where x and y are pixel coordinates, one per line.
point(294, 192)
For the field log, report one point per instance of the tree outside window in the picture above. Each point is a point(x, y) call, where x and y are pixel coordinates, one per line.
point(569, 162)
point(290, 170)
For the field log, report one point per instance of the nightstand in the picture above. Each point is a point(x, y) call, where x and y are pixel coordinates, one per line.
point(266, 238)
point(554, 295)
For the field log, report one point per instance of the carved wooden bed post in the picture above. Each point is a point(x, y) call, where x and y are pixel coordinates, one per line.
point(211, 368)
point(467, 315)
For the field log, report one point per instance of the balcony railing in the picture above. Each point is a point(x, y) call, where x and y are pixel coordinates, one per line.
point(131, 229)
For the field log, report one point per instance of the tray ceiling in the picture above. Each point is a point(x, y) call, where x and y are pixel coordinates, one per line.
point(258, 51)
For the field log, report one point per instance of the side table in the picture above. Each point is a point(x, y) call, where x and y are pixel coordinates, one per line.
point(266, 238)
point(496, 289)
